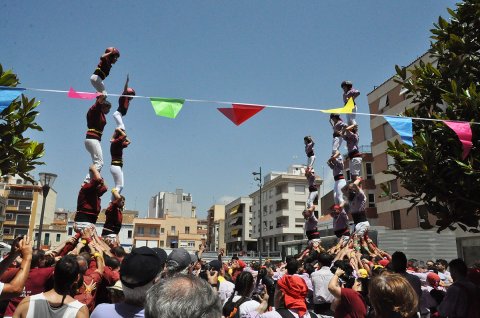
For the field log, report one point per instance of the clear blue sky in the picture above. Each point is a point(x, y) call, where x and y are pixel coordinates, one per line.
point(291, 53)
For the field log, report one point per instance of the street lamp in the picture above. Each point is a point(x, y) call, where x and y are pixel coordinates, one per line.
point(46, 181)
point(258, 177)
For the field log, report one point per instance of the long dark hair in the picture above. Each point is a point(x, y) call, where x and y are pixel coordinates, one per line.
point(65, 276)
point(243, 287)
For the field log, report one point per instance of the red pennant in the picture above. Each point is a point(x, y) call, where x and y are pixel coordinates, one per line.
point(240, 112)
point(464, 133)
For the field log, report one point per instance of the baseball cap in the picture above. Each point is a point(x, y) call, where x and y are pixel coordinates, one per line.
point(216, 265)
point(179, 258)
point(162, 255)
point(117, 286)
point(384, 262)
point(139, 267)
point(241, 264)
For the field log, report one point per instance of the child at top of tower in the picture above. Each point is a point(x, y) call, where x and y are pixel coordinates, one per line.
point(123, 104)
point(109, 58)
point(309, 143)
point(350, 92)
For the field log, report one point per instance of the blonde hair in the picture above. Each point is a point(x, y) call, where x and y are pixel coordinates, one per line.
point(389, 293)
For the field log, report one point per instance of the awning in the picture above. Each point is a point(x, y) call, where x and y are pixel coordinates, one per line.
point(235, 232)
point(234, 210)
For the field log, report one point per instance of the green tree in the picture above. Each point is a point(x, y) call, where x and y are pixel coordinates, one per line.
point(447, 88)
point(18, 154)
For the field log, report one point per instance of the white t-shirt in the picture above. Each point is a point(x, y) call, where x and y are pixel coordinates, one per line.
point(246, 307)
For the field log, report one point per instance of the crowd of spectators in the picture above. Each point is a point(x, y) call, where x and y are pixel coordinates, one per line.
point(89, 276)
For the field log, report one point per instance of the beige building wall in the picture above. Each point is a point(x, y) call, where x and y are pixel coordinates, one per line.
point(215, 214)
point(168, 232)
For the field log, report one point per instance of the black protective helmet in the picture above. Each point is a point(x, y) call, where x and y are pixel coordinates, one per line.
point(129, 91)
point(334, 115)
point(346, 83)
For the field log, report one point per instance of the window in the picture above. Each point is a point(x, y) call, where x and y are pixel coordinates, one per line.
point(162, 243)
point(19, 181)
point(70, 231)
point(9, 216)
point(11, 202)
point(270, 209)
point(369, 170)
point(270, 193)
point(173, 229)
point(140, 230)
point(24, 205)
point(299, 205)
point(162, 230)
point(384, 102)
point(153, 231)
point(23, 219)
point(129, 234)
point(299, 220)
point(187, 229)
point(57, 238)
point(20, 232)
point(396, 220)
point(191, 244)
point(271, 225)
point(46, 241)
point(6, 230)
point(371, 200)
point(254, 227)
point(388, 131)
point(393, 186)
point(299, 188)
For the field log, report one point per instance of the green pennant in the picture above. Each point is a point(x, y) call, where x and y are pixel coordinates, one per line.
point(167, 107)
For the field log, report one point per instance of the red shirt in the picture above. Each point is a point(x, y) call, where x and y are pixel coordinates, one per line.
point(35, 284)
point(103, 67)
point(90, 275)
point(96, 121)
point(351, 305)
point(113, 218)
point(116, 150)
point(88, 201)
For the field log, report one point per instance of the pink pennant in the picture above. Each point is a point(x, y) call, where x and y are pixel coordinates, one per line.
point(464, 133)
point(240, 112)
point(81, 95)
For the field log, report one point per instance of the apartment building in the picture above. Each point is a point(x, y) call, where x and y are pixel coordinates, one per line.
point(168, 232)
point(284, 195)
point(175, 203)
point(54, 233)
point(3, 207)
point(216, 227)
point(23, 206)
point(390, 98)
point(238, 226)
point(126, 232)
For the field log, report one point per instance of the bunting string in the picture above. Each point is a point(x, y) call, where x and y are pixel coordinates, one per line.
point(265, 106)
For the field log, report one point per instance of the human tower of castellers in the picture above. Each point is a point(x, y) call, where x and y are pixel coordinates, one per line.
point(348, 197)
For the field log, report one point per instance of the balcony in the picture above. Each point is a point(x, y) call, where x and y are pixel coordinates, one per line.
point(145, 235)
point(20, 194)
point(172, 233)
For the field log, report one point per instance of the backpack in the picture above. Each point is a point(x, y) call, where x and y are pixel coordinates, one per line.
point(231, 309)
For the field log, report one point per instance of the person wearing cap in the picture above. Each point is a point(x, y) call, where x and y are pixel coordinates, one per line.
point(177, 262)
point(225, 288)
point(350, 92)
point(116, 293)
point(139, 271)
point(289, 300)
point(432, 295)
